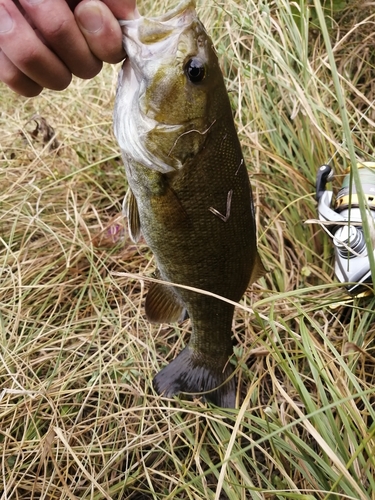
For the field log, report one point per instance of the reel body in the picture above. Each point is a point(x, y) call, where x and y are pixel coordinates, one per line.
point(344, 221)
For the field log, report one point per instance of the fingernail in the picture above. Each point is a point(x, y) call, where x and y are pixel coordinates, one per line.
point(90, 17)
point(6, 22)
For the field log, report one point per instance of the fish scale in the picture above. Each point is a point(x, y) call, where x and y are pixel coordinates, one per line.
point(190, 194)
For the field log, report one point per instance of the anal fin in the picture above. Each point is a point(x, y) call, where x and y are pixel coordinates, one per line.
point(258, 270)
point(162, 304)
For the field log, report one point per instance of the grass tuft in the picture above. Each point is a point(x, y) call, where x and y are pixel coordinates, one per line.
point(78, 415)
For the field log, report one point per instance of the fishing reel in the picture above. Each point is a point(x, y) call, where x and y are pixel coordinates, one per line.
point(342, 220)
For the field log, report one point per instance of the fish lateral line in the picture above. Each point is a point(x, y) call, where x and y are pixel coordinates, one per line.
point(189, 132)
point(225, 217)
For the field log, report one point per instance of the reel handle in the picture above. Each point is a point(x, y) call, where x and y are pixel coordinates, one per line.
point(324, 175)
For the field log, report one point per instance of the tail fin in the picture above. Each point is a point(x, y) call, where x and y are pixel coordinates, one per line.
point(192, 373)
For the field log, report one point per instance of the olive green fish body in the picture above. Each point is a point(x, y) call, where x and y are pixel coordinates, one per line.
point(190, 196)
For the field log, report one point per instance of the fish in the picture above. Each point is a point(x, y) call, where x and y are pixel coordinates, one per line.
point(189, 194)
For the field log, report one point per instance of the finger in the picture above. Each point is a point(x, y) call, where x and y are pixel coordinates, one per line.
point(16, 80)
point(26, 51)
point(72, 3)
point(101, 30)
point(123, 9)
point(56, 23)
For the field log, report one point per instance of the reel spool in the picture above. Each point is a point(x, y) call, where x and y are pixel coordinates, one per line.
point(344, 218)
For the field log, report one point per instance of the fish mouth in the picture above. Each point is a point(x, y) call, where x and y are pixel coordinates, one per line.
point(146, 37)
point(181, 14)
point(151, 44)
point(178, 11)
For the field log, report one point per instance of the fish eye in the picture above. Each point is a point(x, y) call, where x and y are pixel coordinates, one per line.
point(195, 70)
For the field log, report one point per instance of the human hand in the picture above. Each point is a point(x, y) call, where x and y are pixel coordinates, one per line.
point(42, 43)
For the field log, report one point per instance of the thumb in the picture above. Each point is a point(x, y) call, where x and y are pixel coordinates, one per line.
point(101, 30)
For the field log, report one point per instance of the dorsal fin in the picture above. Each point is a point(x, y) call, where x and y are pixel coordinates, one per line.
point(131, 212)
point(162, 304)
point(258, 270)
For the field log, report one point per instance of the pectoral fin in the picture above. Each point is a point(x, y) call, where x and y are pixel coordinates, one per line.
point(131, 212)
point(258, 270)
point(162, 305)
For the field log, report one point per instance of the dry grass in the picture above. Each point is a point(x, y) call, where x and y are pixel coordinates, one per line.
point(78, 415)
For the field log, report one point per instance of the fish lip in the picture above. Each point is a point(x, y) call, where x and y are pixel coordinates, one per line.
point(177, 12)
point(184, 5)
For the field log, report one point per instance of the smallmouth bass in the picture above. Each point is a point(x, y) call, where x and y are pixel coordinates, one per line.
point(189, 192)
